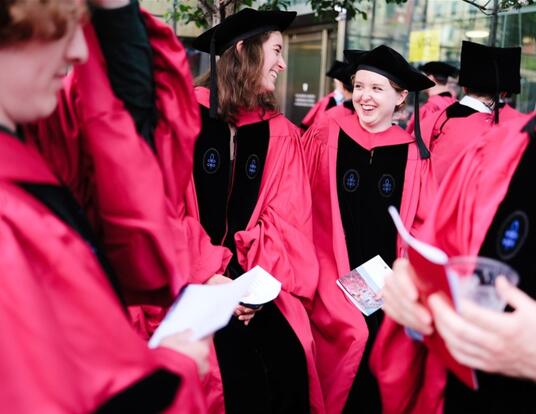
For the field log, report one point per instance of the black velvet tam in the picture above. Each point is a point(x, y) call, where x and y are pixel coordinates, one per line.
point(243, 25)
point(342, 71)
point(391, 64)
point(437, 68)
point(350, 55)
point(335, 67)
point(490, 69)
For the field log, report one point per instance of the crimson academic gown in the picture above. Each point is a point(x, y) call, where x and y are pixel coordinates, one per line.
point(339, 328)
point(434, 104)
point(134, 196)
point(317, 111)
point(473, 214)
point(346, 108)
point(275, 222)
point(66, 343)
point(452, 130)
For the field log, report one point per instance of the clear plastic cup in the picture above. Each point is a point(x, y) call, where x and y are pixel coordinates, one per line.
point(473, 278)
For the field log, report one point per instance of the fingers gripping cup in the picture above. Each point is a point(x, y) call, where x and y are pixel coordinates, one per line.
point(473, 278)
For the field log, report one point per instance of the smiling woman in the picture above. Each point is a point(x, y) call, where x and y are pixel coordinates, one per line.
point(359, 164)
point(251, 194)
point(259, 61)
point(375, 99)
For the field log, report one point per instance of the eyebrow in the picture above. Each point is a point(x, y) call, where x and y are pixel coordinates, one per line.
point(374, 84)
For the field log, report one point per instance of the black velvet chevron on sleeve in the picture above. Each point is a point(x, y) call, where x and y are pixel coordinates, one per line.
point(152, 394)
point(125, 45)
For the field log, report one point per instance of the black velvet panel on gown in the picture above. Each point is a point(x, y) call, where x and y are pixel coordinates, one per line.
point(457, 110)
point(151, 395)
point(331, 103)
point(368, 182)
point(263, 365)
point(161, 386)
point(511, 238)
point(63, 205)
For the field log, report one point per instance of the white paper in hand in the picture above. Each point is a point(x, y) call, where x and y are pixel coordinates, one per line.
point(263, 287)
point(202, 308)
point(206, 308)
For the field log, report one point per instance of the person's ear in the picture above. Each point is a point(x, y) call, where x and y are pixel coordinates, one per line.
point(402, 97)
point(239, 46)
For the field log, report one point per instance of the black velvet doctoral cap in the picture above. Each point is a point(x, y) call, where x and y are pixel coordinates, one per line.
point(240, 26)
point(439, 69)
point(345, 70)
point(350, 55)
point(342, 71)
point(490, 69)
point(335, 67)
point(391, 64)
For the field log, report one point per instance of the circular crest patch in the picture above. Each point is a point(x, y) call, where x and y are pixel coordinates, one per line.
point(252, 166)
point(512, 234)
point(386, 185)
point(211, 161)
point(350, 180)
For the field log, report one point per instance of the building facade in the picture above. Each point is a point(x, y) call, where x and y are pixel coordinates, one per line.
point(421, 30)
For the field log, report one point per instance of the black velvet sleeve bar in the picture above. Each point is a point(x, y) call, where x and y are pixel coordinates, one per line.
point(150, 395)
point(125, 44)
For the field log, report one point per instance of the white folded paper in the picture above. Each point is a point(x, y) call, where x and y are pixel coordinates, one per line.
point(206, 308)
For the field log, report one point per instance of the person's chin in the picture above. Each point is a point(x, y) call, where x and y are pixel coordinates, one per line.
point(46, 108)
point(268, 87)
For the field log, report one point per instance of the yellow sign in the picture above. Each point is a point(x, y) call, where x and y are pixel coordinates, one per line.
point(424, 45)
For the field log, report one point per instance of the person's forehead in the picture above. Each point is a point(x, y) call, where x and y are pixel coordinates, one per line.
point(368, 75)
point(275, 37)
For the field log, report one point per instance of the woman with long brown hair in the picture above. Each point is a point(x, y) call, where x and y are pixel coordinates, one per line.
point(250, 193)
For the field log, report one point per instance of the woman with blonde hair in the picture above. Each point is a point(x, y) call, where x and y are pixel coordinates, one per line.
point(359, 164)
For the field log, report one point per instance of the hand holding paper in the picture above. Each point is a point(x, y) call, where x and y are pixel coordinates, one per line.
point(206, 308)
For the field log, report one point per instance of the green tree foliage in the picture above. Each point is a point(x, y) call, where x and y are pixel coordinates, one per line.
point(206, 13)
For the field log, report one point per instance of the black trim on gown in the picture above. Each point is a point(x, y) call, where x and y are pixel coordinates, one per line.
point(263, 365)
point(511, 238)
point(367, 183)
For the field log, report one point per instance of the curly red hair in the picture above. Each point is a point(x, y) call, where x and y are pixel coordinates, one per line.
point(23, 20)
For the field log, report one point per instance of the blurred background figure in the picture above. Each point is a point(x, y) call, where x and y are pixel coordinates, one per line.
point(442, 94)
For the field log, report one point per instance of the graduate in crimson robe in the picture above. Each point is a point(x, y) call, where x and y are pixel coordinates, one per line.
point(359, 164)
point(439, 96)
point(480, 68)
point(482, 209)
point(67, 344)
point(330, 101)
point(251, 194)
point(343, 73)
point(128, 123)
